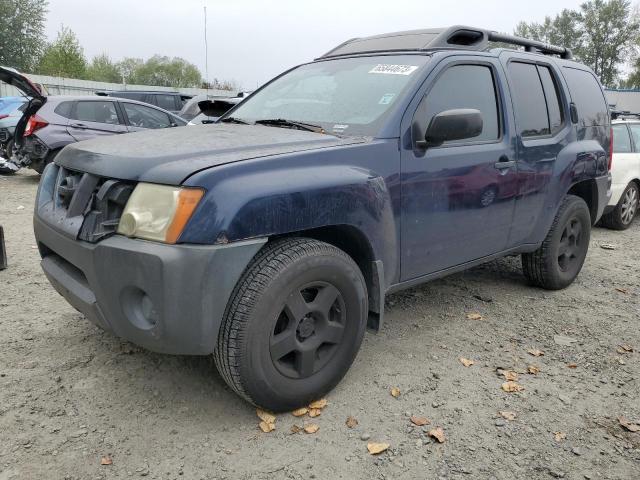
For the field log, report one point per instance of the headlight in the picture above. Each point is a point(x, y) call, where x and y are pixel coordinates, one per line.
point(158, 212)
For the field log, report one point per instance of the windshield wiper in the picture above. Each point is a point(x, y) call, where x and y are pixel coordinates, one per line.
point(282, 122)
point(234, 120)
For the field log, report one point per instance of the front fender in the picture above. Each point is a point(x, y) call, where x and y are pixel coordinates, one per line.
point(263, 198)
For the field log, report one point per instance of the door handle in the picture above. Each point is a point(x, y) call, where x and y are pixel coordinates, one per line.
point(81, 126)
point(504, 163)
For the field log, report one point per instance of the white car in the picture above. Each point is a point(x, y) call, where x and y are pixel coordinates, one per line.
point(625, 173)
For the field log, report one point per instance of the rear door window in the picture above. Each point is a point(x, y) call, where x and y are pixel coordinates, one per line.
point(587, 96)
point(98, 112)
point(635, 135)
point(528, 100)
point(168, 102)
point(146, 117)
point(621, 139)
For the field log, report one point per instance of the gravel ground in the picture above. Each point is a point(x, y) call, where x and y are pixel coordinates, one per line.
point(71, 394)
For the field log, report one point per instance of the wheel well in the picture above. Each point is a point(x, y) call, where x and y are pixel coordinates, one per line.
point(588, 191)
point(355, 244)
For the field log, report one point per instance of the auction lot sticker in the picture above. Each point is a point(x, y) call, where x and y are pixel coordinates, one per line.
point(394, 69)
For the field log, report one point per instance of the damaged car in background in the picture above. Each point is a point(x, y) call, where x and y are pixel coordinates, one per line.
point(49, 123)
point(11, 110)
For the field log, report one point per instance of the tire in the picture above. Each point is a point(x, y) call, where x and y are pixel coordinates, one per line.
point(8, 149)
point(559, 259)
point(277, 347)
point(621, 217)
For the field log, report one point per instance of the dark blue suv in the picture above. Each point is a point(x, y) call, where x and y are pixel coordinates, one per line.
point(271, 238)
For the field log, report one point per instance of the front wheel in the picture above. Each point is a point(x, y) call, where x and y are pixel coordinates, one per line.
point(293, 325)
point(557, 262)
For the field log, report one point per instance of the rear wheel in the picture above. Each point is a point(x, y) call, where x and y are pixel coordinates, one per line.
point(621, 217)
point(294, 324)
point(559, 259)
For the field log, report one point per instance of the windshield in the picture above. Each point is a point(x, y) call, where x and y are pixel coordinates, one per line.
point(345, 96)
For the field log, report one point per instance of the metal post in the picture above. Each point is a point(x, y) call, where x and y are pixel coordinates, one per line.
point(3, 252)
point(206, 49)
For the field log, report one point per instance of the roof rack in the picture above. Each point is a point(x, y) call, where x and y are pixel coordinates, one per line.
point(622, 114)
point(457, 37)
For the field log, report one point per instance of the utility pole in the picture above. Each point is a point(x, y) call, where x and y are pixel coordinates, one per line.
point(206, 50)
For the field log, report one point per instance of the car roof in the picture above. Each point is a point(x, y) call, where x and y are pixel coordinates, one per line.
point(96, 98)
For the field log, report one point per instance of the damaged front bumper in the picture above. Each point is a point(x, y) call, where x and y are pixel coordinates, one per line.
point(166, 298)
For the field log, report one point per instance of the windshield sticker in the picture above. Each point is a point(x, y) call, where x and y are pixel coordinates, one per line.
point(386, 99)
point(394, 69)
point(338, 128)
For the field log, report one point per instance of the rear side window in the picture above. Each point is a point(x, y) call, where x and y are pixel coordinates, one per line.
point(64, 109)
point(466, 86)
point(131, 96)
point(635, 135)
point(536, 99)
point(587, 96)
point(99, 112)
point(168, 102)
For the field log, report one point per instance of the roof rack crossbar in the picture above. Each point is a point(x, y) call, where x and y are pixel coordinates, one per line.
point(531, 45)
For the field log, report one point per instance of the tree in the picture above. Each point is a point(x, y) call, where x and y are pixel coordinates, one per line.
point(167, 72)
point(128, 68)
point(102, 69)
point(22, 37)
point(601, 34)
point(64, 57)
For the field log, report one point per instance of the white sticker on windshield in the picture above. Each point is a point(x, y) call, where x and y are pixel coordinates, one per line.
point(394, 69)
point(386, 99)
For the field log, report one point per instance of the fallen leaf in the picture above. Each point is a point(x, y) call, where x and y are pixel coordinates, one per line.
point(314, 412)
point(621, 361)
point(626, 348)
point(319, 403)
point(572, 365)
point(510, 375)
point(535, 352)
point(474, 316)
point(106, 460)
point(533, 370)
point(295, 429)
point(420, 421)
point(266, 417)
point(559, 436)
point(631, 426)
point(507, 415)
point(607, 246)
point(437, 433)
point(267, 427)
point(466, 362)
point(300, 412)
point(622, 290)
point(395, 392)
point(377, 448)
point(311, 428)
point(351, 422)
point(512, 387)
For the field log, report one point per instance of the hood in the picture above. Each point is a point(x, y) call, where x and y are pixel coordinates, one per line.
point(19, 81)
point(170, 156)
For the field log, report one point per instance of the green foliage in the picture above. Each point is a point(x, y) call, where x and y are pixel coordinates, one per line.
point(102, 69)
point(162, 71)
point(22, 37)
point(64, 57)
point(602, 34)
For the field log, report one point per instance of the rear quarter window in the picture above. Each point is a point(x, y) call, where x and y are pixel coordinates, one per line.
point(587, 96)
point(621, 139)
point(64, 109)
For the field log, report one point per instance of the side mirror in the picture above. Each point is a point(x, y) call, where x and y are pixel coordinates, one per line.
point(451, 125)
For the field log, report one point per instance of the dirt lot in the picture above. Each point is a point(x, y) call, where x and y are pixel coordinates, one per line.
point(71, 394)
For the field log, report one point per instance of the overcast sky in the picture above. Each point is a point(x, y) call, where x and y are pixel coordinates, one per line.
point(250, 41)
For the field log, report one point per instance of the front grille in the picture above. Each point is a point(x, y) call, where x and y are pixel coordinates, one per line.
point(86, 206)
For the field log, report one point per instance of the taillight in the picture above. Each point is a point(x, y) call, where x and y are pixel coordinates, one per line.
point(610, 151)
point(34, 124)
point(3, 116)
